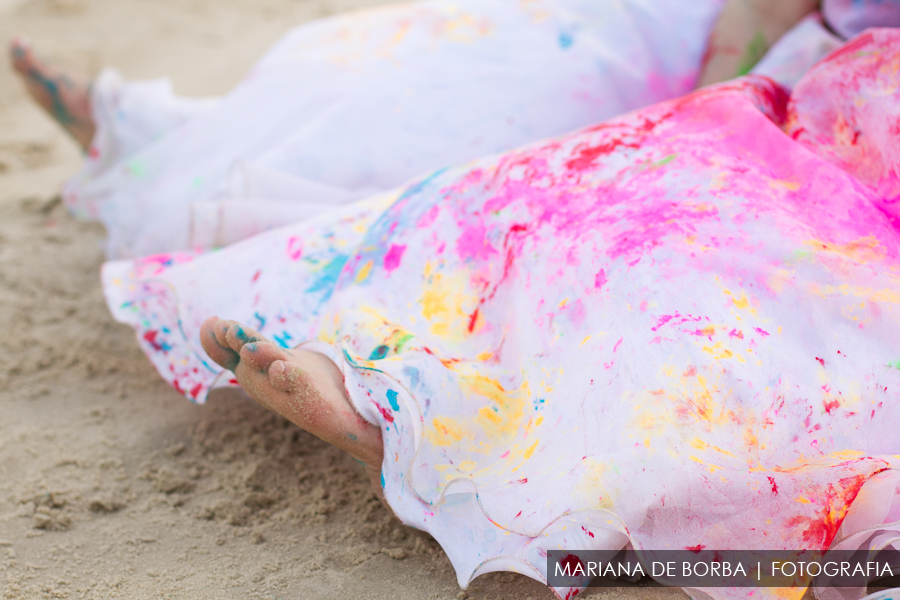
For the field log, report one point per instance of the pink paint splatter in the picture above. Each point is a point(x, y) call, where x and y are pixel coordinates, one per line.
point(473, 243)
point(393, 257)
point(295, 247)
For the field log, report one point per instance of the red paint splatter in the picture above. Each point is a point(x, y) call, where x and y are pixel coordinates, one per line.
point(387, 416)
point(821, 361)
point(588, 154)
point(195, 391)
point(586, 531)
point(256, 276)
point(600, 279)
point(736, 334)
point(818, 531)
point(774, 485)
point(150, 338)
point(695, 549)
point(571, 563)
point(690, 371)
point(830, 406)
point(473, 318)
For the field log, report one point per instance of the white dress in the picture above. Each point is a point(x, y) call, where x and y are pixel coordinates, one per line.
point(341, 108)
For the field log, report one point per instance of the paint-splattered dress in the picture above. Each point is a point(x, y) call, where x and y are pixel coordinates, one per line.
point(677, 328)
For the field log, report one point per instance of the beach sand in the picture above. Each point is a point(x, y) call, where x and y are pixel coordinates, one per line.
point(111, 484)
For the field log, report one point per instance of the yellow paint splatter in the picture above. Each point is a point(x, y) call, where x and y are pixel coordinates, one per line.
point(364, 272)
point(863, 250)
point(444, 431)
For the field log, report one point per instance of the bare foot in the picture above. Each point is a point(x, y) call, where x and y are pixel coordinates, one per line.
point(63, 94)
point(305, 387)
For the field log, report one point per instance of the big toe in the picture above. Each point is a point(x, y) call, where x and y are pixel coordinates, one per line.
point(213, 338)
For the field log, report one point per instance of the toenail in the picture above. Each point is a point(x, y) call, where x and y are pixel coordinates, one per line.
point(242, 336)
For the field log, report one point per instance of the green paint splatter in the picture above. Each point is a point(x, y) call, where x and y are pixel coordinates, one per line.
point(754, 51)
point(137, 168)
point(404, 339)
point(895, 364)
point(664, 161)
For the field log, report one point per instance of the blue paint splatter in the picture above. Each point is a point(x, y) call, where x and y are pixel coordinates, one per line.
point(261, 319)
point(392, 398)
point(328, 276)
point(382, 480)
point(379, 353)
point(565, 40)
point(283, 339)
point(413, 374)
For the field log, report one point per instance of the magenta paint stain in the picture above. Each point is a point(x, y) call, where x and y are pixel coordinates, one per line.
point(474, 245)
point(393, 257)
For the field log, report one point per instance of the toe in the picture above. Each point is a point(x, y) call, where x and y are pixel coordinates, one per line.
point(261, 354)
point(216, 346)
point(238, 335)
point(286, 377)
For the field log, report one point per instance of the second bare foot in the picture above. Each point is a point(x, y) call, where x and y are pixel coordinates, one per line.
point(65, 95)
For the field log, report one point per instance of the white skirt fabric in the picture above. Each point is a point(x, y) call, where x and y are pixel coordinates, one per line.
point(349, 106)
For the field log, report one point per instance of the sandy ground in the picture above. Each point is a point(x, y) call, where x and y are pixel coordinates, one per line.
point(111, 484)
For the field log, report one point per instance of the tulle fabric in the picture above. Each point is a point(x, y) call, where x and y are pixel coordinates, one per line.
point(673, 329)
